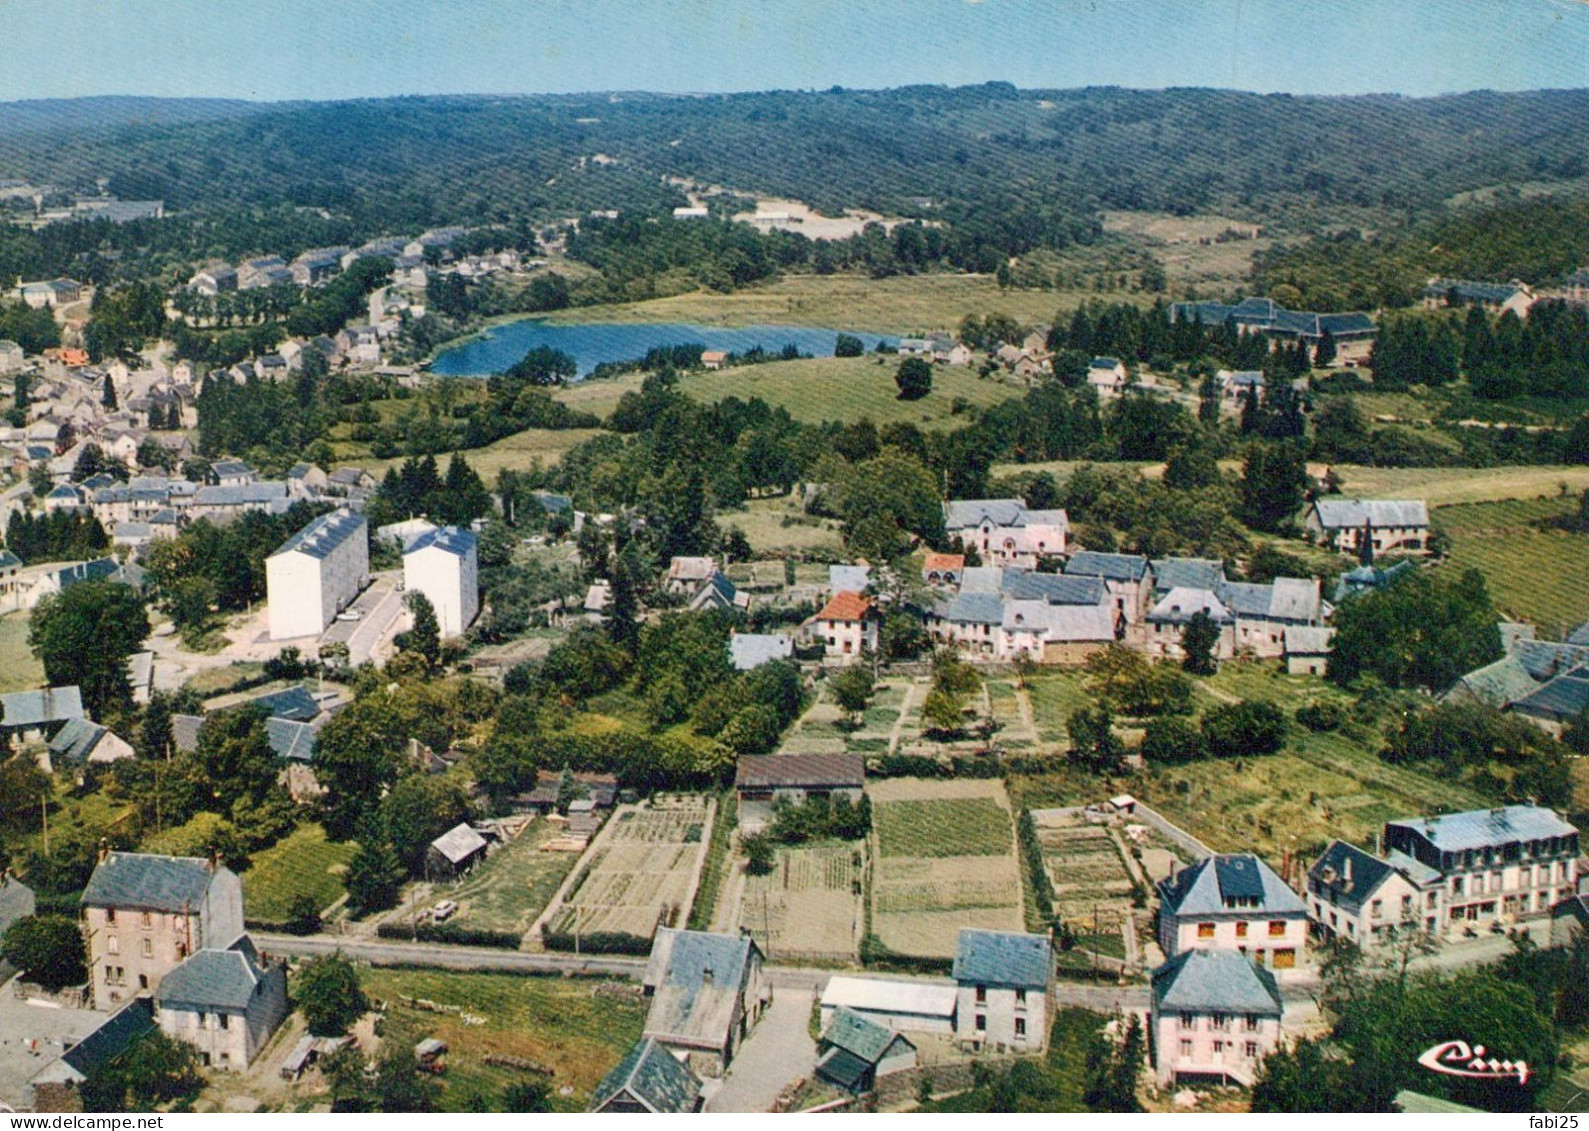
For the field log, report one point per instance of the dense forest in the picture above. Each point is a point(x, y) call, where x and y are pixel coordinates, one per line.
point(1007, 171)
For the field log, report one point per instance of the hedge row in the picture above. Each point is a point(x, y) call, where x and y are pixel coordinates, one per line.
point(596, 942)
point(1032, 850)
point(447, 933)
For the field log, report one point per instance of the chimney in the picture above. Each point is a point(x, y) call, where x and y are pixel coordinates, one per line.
point(1346, 870)
point(213, 861)
point(706, 976)
point(104, 849)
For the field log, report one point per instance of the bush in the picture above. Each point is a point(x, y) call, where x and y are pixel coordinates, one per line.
point(1170, 740)
point(1032, 852)
point(450, 933)
point(596, 942)
point(1238, 729)
point(1321, 716)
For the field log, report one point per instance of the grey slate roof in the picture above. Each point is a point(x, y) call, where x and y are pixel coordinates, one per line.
point(1187, 573)
point(76, 740)
point(291, 740)
point(1309, 640)
point(149, 882)
point(16, 901)
point(749, 650)
point(19, 709)
point(840, 771)
point(1562, 699)
point(1222, 884)
point(214, 980)
point(1003, 958)
point(294, 703)
point(1215, 981)
point(962, 514)
point(110, 1040)
point(1340, 514)
point(972, 608)
point(459, 843)
point(1181, 604)
point(454, 540)
point(1111, 567)
point(654, 1077)
point(1481, 828)
point(698, 977)
point(242, 494)
point(1330, 870)
point(1286, 598)
point(185, 732)
point(324, 534)
point(859, 1035)
point(1056, 588)
point(848, 578)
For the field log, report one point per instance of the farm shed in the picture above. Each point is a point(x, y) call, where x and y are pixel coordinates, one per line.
point(649, 1079)
point(855, 1051)
point(454, 851)
point(762, 781)
point(915, 1005)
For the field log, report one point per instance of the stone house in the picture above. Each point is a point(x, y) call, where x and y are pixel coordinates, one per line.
point(1005, 532)
point(847, 626)
point(1003, 980)
point(649, 1079)
point(145, 914)
point(1357, 896)
point(707, 992)
point(1390, 525)
point(226, 1002)
point(1129, 578)
point(854, 1051)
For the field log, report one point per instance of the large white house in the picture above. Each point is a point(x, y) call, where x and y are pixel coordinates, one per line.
point(1002, 985)
point(1392, 525)
point(1366, 899)
point(1216, 1015)
point(224, 1001)
point(1233, 902)
point(444, 565)
point(1493, 865)
point(1005, 532)
point(316, 573)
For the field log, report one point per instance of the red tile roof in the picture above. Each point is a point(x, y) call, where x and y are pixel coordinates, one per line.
point(846, 606)
point(941, 562)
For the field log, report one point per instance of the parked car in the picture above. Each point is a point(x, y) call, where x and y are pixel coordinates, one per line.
point(443, 911)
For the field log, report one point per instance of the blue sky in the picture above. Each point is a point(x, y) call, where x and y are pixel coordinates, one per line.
point(319, 49)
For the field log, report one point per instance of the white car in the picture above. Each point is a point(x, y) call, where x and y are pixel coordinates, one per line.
point(443, 911)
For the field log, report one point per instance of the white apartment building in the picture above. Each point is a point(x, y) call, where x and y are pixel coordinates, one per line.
point(444, 565)
point(316, 573)
point(1494, 865)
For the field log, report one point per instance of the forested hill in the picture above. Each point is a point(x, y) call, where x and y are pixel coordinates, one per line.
point(108, 114)
point(928, 151)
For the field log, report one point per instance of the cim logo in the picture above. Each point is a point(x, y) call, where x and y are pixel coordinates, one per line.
point(1458, 1058)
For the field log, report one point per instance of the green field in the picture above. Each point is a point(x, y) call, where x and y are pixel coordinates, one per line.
point(1441, 485)
point(1054, 698)
point(559, 1023)
point(517, 451)
point(515, 883)
point(845, 389)
point(778, 525)
point(1064, 1071)
point(1534, 569)
point(950, 826)
point(20, 669)
point(304, 861)
point(904, 304)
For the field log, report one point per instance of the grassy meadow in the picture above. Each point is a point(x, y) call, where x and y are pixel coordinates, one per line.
point(1532, 565)
point(303, 861)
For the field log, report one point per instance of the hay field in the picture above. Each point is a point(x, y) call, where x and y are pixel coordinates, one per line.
point(945, 860)
point(809, 906)
point(1531, 564)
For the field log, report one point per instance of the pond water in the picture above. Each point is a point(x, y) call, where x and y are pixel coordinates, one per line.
point(591, 344)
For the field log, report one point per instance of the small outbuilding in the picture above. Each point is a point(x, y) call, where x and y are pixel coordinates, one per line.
point(455, 851)
point(855, 1051)
point(763, 781)
point(649, 1079)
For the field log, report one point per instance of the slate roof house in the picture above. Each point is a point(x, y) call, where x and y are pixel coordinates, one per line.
point(1128, 577)
point(707, 992)
point(316, 573)
point(35, 715)
point(854, 1051)
point(1005, 531)
point(1215, 1016)
point(80, 742)
point(16, 900)
point(750, 650)
point(1392, 525)
point(721, 594)
point(143, 914)
point(1234, 902)
point(648, 1079)
point(226, 1002)
point(1496, 865)
point(1353, 332)
point(1002, 985)
point(1357, 896)
point(54, 1087)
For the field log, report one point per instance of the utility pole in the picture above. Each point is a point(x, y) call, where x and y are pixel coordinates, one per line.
point(44, 819)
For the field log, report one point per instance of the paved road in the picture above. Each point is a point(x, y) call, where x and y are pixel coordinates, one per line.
point(778, 1052)
point(392, 952)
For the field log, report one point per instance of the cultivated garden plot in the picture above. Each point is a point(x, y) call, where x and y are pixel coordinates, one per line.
point(809, 906)
point(639, 874)
point(1091, 883)
point(945, 860)
point(514, 884)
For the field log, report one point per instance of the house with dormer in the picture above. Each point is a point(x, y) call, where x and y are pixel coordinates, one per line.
point(1367, 899)
point(1233, 902)
point(1006, 531)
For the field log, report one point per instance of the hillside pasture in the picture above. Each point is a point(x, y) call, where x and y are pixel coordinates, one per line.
point(945, 859)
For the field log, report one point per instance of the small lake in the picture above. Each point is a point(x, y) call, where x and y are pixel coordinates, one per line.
point(591, 344)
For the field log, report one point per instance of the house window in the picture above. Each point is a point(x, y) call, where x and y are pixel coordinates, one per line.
point(1188, 1021)
point(225, 1021)
point(1020, 1027)
point(148, 920)
point(1020, 999)
point(1252, 1050)
point(1456, 885)
point(1241, 930)
point(982, 995)
point(1251, 1021)
point(981, 1023)
point(1277, 928)
point(148, 948)
point(112, 944)
point(1205, 930)
point(1221, 1022)
point(1186, 1050)
point(110, 916)
point(1376, 909)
